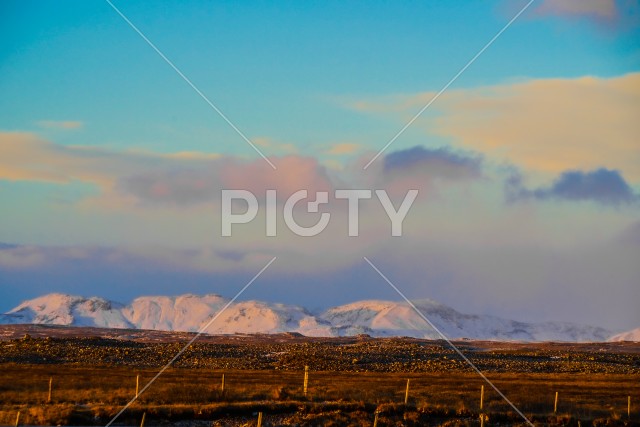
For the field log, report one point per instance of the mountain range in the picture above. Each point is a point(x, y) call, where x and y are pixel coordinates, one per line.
point(373, 317)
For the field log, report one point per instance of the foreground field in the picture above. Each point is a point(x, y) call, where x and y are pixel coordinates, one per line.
point(593, 381)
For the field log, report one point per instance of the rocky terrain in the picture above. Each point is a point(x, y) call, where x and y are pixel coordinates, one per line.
point(31, 344)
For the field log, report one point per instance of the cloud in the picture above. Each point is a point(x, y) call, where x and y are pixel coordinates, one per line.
point(175, 178)
point(60, 125)
point(613, 16)
point(439, 162)
point(172, 186)
point(25, 156)
point(483, 262)
point(20, 257)
point(343, 148)
point(462, 248)
point(272, 146)
point(546, 126)
point(602, 185)
point(599, 9)
point(294, 173)
point(182, 184)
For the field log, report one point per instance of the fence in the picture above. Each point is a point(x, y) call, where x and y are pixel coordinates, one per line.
point(34, 396)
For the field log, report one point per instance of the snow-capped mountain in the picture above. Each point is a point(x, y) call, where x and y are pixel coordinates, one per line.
point(59, 309)
point(632, 335)
point(376, 318)
point(191, 313)
point(188, 313)
point(389, 318)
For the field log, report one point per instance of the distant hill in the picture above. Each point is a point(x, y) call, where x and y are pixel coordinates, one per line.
point(632, 335)
point(190, 313)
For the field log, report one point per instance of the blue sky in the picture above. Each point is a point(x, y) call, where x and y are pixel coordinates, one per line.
point(259, 61)
point(105, 149)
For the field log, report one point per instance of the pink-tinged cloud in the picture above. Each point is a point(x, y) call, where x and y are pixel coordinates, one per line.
point(599, 9)
point(611, 15)
point(183, 184)
point(294, 173)
point(179, 179)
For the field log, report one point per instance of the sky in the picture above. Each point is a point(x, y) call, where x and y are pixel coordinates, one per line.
point(112, 165)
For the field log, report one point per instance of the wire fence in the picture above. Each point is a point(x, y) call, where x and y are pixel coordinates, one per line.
point(81, 395)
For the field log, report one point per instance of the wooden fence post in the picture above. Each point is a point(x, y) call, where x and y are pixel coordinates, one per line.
point(306, 380)
point(482, 416)
point(259, 419)
point(50, 388)
point(375, 419)
point(137, 385)
point(406, 393)
point(144, 417)
point(222, 384)
point(555, 404)
point(18, 419)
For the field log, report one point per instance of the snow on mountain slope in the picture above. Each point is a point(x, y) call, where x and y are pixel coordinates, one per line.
point(180, 313)
point(377, 318)
point(260, 317)
point(632, 335)
point(59, 309)
point(387, 318)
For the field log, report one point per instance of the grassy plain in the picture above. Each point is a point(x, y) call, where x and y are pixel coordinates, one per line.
point(87, 395)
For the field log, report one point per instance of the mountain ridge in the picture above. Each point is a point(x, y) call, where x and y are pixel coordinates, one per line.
point(379, 318)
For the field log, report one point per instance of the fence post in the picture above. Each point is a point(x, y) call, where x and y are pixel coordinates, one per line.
point(50, 388)
point(481, 420)
point(137, 385)
point(628, 406)
point(555, 404)
point(18, 419)
point(144, 416)
point(259, 419)
point(406, 393)
point(306, 380)
point(481, 396)
point(222, 384)
point(375, 419)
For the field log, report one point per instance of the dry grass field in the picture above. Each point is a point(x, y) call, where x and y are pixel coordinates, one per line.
point(86, 393)
point(92, 395)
